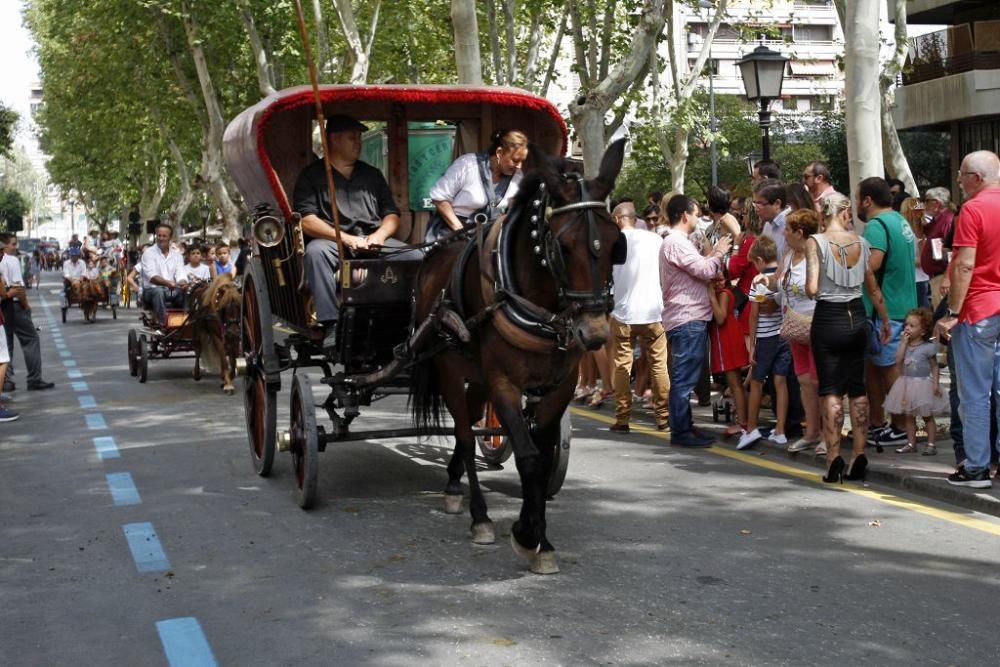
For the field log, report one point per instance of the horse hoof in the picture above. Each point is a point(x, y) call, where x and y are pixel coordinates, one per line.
point(452, 504)
point(539, 562)
point(484, 533)
point(545, 563)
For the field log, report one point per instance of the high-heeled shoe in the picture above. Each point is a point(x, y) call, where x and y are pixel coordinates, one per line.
point(836, 471)
point(858, 469)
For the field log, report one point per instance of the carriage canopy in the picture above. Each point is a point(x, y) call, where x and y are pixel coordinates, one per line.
point(270, 143)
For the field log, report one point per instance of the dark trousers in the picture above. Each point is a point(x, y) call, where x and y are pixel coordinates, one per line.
point(158, 297)
point(18, 322)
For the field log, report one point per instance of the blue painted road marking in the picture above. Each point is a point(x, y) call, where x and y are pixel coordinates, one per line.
point(87, 402)
point(106, 448)
point(60, 345)
point(65, 354)
point(95, 422)
point(80, 387)
point(185, 643)
point(69, 363)
point(145, 546)
point(122, 489)
point(73, 373)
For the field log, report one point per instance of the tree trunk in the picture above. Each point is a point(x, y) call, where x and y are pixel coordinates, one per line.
point(211, 161)
point(508, 16)
point(554, 56)
point(265, 77)
point(466, 27)
point(587, 111)
point(358, 53)
point(863, 102)
point(896, 163)
point(180, 205)
point(322, 38)
point(683, 81)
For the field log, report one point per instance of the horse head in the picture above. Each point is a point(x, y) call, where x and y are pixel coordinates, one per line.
point(578, 240)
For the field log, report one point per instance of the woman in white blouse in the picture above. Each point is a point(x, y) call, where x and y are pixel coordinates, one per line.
point(481, 182)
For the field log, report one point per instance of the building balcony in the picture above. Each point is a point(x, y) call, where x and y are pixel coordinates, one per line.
point(946, 99)
point(954, 50)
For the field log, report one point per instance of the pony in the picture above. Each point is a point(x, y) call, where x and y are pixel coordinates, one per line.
point(88, 293)
point(215, 319)
point(534, 293)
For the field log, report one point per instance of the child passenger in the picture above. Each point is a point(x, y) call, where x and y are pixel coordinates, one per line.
point(194, 270)
point(770, 354)
point(222, 264)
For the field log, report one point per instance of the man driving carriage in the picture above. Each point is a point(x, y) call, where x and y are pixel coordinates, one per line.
point(160, 264)
point(368, 217)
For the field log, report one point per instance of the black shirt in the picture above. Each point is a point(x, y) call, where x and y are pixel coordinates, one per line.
point(362, 200)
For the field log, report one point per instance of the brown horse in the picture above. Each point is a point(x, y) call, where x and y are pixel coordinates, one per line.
point(215, 321)
point(88, 293)
point(534, 297)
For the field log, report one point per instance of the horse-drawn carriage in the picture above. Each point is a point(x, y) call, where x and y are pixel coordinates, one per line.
point(206, 330)
point(89, 295)
point(388, 333)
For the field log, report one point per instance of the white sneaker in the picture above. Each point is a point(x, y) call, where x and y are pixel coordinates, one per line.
point(820, 449)
point(748, 439)
point(800, 445)
point(777, 438)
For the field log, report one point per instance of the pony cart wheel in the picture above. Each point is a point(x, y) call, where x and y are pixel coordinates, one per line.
point(495, 449)
point(261, 381)
point(133, 352)
point(64, 315)
point(560, 457)
point(142, 358)
point(114, 312)
point(304, 441)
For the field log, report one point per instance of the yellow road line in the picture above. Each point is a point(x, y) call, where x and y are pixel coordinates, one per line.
point(814, 478)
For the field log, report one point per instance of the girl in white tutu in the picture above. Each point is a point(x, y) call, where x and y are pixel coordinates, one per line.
point(917, 392)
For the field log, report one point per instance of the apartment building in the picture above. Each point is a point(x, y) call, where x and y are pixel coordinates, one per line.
point(952, 78)
point(807, 31)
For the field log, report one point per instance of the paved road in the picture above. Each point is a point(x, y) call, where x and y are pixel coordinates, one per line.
point(668, 556)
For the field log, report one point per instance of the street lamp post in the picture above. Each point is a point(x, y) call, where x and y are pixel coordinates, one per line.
point(763, 72)
point(710, 5)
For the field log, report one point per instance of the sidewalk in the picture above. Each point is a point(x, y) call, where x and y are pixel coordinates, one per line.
point(923, 475)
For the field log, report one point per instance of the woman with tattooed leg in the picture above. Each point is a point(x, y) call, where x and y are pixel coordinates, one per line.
point(836, 269)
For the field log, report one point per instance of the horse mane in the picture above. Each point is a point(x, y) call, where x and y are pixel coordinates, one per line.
point(220, 293)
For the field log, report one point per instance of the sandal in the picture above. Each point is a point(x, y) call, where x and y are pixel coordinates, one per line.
point(906, 449)
point(734, 429)
point(930, 450)
point(597, 399)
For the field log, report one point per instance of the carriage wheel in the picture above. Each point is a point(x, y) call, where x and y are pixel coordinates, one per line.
point(304, 441)
point(259, 390)
point(64, 315)
point(142, 359)
point(133, 351)
point(495, 449)
point(114, 312)
point(560, 458)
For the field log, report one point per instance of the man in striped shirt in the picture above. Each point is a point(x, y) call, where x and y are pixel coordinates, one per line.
point(684, 276)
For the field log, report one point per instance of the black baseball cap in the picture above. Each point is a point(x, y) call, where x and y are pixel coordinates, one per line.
point(343, 123)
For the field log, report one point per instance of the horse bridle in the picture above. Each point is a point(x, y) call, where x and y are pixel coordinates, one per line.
point(596, 300)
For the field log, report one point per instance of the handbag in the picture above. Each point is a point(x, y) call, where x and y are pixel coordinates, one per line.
point(795, 327)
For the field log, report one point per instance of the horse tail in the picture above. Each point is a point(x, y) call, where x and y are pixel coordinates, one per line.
point(209, 356)
point(425, 394)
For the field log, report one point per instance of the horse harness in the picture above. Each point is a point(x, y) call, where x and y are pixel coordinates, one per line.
point(519, 321)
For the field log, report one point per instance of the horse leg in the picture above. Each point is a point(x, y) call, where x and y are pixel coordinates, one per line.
point(227, 380)
point(453, 394)
point(483, 531)
point(527, 535)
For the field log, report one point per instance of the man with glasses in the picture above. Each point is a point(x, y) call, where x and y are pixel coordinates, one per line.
point(816, 178)
point(973, 318)
point(769, 202)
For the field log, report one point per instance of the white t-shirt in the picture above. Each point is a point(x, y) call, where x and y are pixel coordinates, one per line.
point(462, 185)
point(10, 270)
point(73, 270)
point(638, 297)
point(189, 274)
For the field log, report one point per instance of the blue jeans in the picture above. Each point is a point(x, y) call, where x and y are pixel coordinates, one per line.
point(688, 347)
point(976, 348)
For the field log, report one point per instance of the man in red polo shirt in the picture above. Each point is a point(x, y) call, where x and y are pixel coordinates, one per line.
point(973, 318)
